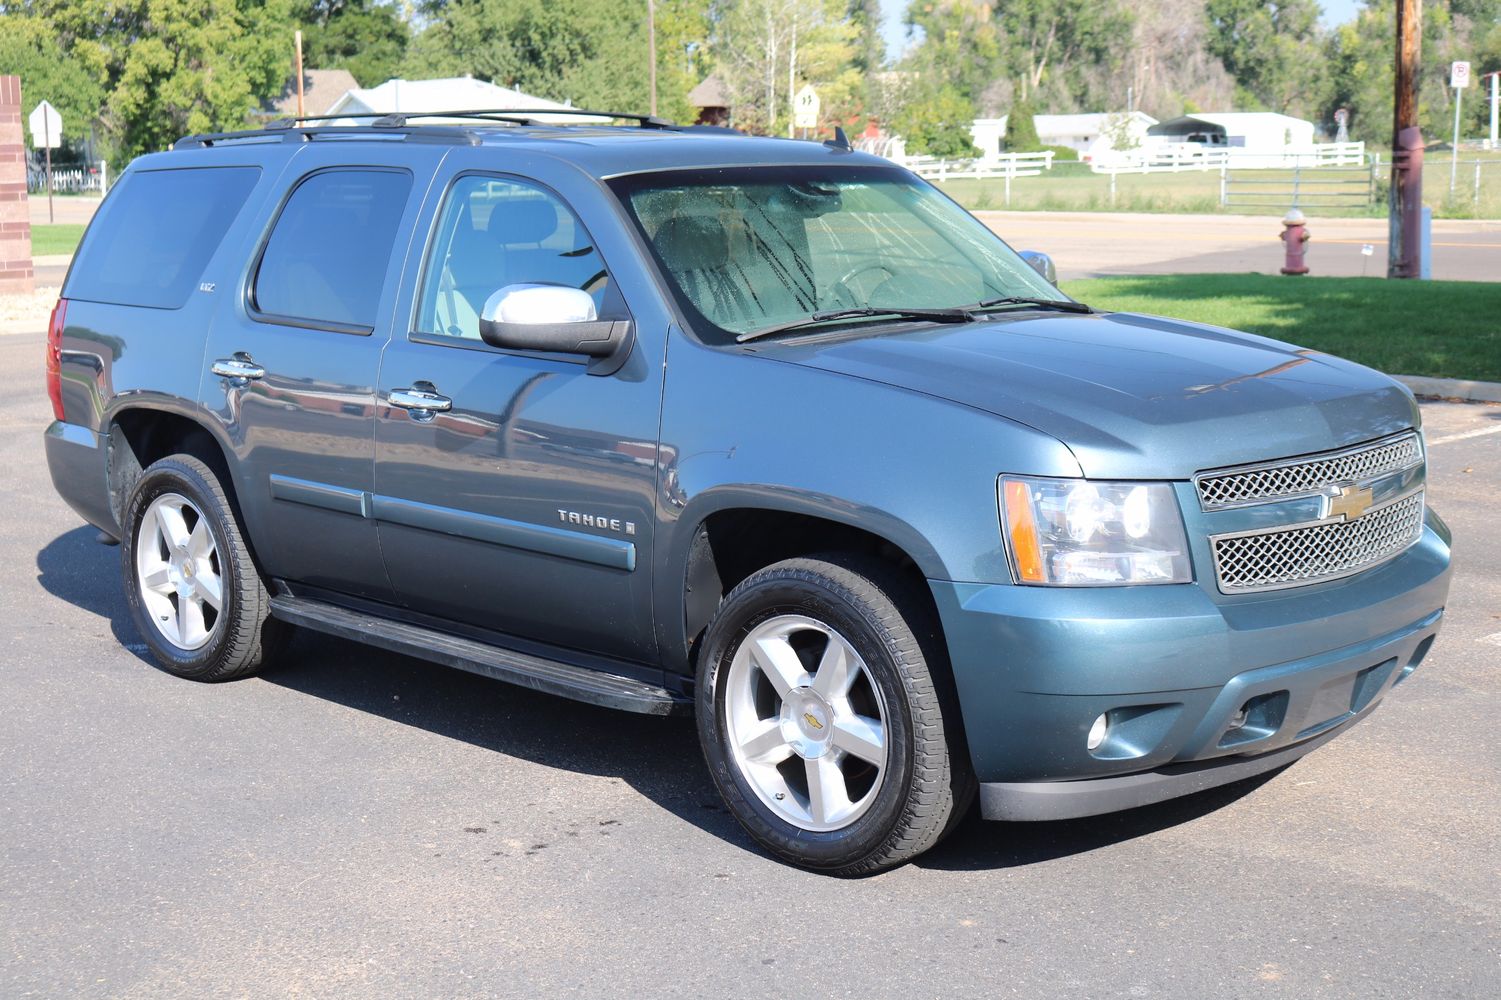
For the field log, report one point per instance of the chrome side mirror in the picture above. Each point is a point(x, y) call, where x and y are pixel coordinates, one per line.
point(556, 319)
point(1041, 263)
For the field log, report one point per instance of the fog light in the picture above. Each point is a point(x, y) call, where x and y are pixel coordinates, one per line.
point(1097, 732)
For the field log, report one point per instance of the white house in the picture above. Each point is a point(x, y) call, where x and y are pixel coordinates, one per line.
point(1242, 134)
point(1095, 137)
point(460, 93)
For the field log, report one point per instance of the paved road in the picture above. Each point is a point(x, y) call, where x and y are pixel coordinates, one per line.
point(1091, 244)
point(360, 824)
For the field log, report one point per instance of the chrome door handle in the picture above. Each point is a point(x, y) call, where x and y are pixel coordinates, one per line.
point(237, 368)
point(421, 401)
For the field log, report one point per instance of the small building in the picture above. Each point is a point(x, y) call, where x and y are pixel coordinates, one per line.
point(461, 93)
point(712, 100)
point(1240, 133)
point(1096, 137)
point(321, 88)
point(989, 136)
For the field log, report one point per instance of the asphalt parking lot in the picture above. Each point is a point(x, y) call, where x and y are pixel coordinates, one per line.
point(354, 823)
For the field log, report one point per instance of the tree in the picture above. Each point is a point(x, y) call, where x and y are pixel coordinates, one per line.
point(171, 67)
point(29, 48)
point(997, 52)
point(367, 37)
point(1021, 130)
point(1361, 54)
point(1273, 50)
point(766, 50)
point(937, 123)
point(586, 51)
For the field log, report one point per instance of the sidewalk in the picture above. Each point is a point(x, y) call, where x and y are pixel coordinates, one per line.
point(74, 208)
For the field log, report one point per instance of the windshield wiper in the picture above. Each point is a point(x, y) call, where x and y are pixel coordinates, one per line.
point(961, 315)
point(1062, 305)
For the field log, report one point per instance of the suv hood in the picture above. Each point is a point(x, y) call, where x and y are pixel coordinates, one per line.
point(1133, 396)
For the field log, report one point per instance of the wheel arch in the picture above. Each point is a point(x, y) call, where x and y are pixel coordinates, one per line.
point(726, 535)
point(142, 432)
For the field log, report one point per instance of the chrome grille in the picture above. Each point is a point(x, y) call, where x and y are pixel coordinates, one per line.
point(1266, 483)
point(1294, 557)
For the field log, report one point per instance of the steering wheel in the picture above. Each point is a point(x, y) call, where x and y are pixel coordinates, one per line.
point(848, 296)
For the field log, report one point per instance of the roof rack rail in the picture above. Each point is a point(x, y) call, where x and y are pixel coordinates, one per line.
point(514, 116)
point(424, 133)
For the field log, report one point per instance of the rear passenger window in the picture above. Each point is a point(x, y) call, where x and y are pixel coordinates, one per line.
point(155, 234)
point(325, 263)
point(493, 233)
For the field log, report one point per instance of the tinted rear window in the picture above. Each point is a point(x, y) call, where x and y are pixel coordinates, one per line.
point(326, 260)
point(155, 234)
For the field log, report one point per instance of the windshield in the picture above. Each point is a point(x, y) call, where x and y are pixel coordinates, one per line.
point(747, 248)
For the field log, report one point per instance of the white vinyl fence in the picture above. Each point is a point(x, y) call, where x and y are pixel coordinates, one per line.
point(1001, 165)
point(69, 180)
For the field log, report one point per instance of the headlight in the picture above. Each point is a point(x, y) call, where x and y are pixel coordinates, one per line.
point(1084, 533)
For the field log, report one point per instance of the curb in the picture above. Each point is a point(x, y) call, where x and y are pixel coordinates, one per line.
point(1452, 388)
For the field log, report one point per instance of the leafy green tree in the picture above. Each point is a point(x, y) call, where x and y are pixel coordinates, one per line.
point(591, 52)
point(937, 123)
point(999, 51)
point(171, 67)
point(1361, 56)
point(1021, 130)
point(367, 37)
point(1272, 48)
point(29, 48)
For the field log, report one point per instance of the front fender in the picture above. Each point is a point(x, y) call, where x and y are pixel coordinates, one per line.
point(742, 431)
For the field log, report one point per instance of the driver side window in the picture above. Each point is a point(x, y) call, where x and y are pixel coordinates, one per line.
point(494, 232)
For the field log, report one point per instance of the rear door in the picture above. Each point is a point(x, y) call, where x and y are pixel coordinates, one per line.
point(293, 355)
point(525, 504)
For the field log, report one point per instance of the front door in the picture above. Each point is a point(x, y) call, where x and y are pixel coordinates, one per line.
point(517, 495)
point(292, 359)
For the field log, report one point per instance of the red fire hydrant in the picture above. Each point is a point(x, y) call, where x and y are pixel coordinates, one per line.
point(1294, 234)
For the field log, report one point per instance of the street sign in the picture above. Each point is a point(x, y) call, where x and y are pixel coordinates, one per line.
point(46, 127)
point(805, 108)
point(1459, 75)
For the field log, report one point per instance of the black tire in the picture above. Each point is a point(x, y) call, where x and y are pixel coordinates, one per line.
point(927, 785)
point(244, 635)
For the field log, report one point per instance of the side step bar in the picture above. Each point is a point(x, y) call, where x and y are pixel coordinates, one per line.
point(535, 672)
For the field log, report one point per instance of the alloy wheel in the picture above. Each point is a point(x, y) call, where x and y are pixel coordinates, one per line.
point(806, 723)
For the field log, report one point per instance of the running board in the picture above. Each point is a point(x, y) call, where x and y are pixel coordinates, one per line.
point(549, 676)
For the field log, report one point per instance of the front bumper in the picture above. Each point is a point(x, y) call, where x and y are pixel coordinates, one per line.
point(1200, 689)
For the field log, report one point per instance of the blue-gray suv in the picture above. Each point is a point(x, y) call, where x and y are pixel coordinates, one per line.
point(678, 420)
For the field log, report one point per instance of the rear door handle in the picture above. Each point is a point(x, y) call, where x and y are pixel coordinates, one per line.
point(238, 367)
point(422, 402)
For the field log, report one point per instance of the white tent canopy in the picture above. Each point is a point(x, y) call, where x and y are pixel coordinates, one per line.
point(459, 93)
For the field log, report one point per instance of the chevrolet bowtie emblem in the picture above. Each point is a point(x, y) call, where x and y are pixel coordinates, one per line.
point(812, 720)
point(1352, 501)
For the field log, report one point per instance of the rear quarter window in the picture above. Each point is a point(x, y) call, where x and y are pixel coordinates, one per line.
point(324, 264)
point(155, 234)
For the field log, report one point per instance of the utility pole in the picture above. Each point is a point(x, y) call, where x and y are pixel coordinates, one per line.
point(1495, 106)
point(298, 62)
point(651, 38)
point(1405, 206)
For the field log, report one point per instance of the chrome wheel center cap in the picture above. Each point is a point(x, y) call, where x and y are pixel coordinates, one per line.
point(807, 722)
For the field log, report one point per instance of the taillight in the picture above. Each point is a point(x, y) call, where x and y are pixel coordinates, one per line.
point(55, 356)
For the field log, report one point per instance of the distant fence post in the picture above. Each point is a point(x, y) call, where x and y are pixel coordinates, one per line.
point(103, 178)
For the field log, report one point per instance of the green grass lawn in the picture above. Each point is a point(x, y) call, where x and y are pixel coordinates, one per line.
point(1446, 329)
point(53, 239)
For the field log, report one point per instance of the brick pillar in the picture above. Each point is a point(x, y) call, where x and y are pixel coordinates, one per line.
point(15, 220)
